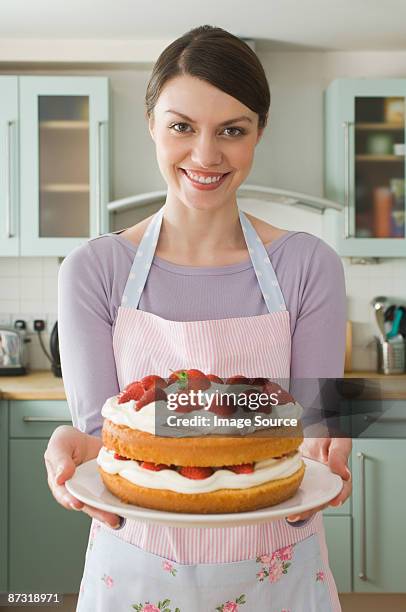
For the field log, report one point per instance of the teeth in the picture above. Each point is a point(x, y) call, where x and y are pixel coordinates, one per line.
point(202, 179)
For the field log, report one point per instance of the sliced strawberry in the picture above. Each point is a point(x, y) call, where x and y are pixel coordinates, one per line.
point(153, 380)
point(243, 468)
point(214, 378)
point(237, 380)
point(134, 391)
point(117, 456)
point(196, 473)
point(283, 396)
point(223, 407)
point(155, 467)
point(183, 407)
point(153, 394)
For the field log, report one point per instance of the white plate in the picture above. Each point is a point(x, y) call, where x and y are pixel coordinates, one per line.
point(319, 486)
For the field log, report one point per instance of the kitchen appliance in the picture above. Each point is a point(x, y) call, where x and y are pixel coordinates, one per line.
point(13, 353)
point(391, 356)
point(54, 357)
point(54, 348)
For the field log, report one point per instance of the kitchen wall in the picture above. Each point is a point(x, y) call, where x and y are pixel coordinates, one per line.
point(290, 156)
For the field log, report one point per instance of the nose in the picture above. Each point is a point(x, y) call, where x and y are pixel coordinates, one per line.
point(206, 152)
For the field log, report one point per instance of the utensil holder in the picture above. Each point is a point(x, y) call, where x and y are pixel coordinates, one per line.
point(391, 356)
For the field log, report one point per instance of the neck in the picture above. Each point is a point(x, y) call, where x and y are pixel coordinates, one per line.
point(200, 235)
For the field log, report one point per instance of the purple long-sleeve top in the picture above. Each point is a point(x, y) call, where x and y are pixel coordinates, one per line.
point(92, 279)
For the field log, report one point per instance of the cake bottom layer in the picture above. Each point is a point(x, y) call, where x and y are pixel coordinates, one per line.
point(216, 502)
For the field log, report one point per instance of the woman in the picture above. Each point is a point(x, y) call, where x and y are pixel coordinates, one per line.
point(207, 105)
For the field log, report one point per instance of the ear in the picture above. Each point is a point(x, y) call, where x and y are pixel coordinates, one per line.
point(259, 136)
point(151, 126)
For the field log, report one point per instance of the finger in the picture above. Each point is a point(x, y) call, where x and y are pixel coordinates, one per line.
point(338, 457)
point(60, 492)
point(304, 515)
point(112, 520)
point(343, 495)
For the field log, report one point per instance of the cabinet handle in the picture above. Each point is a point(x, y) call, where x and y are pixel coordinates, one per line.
point(386, 420)
point(9, 195)
point(347, 171)
point(363, 572)
point(39, 419)
point(99, 151)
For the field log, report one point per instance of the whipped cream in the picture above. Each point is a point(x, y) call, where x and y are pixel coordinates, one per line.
point(264, 471)
point(155, 414)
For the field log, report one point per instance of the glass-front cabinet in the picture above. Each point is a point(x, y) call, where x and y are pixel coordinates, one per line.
point(365, 166)
point(63, 176)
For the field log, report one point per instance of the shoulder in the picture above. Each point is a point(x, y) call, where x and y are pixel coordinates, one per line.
point(308, 249)
point(99, 258)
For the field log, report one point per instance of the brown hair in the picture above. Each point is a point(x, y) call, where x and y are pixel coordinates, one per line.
point(218, 57)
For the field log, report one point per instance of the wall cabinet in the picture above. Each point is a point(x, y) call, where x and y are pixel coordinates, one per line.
point(54, 170)
point(365, 166)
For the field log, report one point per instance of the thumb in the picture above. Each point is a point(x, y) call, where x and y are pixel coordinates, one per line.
point(338, 458)
point(65, 468)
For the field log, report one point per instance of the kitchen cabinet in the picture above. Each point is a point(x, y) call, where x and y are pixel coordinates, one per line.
point(365, 166)
point(47, 543)
point(338, 531)
point(3, 495)
point(379, 500)
point(9, 173)
point(57, 129)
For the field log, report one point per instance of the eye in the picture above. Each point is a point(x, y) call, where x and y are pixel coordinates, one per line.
point(181, 125)
point(174, 125)
point(239, 130)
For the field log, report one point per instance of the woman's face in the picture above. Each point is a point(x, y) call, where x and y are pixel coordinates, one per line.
point(193, 133)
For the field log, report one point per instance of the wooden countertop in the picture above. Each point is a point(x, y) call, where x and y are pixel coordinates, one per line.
point(36, 385)
point(43, 385)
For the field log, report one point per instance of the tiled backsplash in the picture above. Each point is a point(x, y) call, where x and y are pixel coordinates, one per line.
point(29, 291)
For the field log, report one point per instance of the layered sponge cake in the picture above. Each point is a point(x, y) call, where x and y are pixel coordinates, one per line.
point(196, 443)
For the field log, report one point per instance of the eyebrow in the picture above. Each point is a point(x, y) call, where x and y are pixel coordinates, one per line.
point(241, 118)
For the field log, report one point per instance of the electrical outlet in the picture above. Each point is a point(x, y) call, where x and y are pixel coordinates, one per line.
point(39, 325)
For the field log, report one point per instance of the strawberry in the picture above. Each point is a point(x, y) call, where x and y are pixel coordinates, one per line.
point(237, 380)
point(153, 394)
point(223, 409)
point(243, 468)
point(134, 391)
point(183, 408)
point(155, 467)
point(153, 380)
point(117, 456)
point(196, 473)
point(214, 378)
point(190, 379)
point(283, 396)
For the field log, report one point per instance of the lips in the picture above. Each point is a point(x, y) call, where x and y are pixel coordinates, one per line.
point(205, 186)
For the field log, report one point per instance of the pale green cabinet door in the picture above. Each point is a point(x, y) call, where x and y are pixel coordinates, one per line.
point(3, 495)
point(338, 537)
point(379, 503)
point(9, 205)
point(365, 123)
point(64, 162)
point(47, 543)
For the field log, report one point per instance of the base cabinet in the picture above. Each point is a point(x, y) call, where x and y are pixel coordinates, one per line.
point(47, 543)
point(379, 502)
point(338, 531)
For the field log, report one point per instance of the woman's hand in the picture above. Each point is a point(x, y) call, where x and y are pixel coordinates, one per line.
point(335, 453)
point(67, 448)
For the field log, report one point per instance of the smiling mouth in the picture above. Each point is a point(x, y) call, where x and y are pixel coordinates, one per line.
point(220, 177)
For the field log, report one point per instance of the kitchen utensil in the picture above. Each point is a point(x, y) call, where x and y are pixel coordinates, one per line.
point(348, 347)
point(379, 304)
point(391, 355)
point(319, 486)
point(395, 325)
point(13, 354)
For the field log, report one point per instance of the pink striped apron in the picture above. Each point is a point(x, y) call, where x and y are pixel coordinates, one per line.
point(274, 567)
